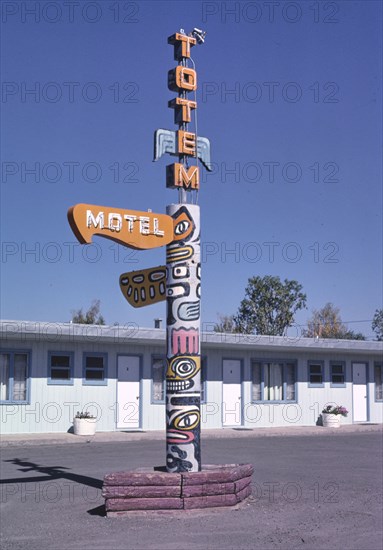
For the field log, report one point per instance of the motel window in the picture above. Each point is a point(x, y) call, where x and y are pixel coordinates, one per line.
point(316, 377)
point(337, 373)
point(158, 378)
point(14, 367)
point(256, 379)
point(378, 378)
point(95, 369)
point(273, 381)
point(60, 367)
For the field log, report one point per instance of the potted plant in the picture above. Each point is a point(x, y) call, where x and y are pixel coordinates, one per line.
point(331, 415)
point(84, 423)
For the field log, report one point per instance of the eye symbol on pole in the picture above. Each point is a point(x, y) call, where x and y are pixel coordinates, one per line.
point(187, 420)
point(181, 227)
point(182, 422)
point(180, 371)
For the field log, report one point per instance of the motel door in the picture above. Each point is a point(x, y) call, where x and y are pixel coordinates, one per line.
point(231, 394)
point(359, 391)
point(128, 392)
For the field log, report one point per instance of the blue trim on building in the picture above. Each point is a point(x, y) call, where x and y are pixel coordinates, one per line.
point(337, 364)
point(313, 362)
point(61, 381)
point(12, 352)
point(284, 362)
point(95, 382)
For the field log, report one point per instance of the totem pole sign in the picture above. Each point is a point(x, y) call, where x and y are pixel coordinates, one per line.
point(179, 281)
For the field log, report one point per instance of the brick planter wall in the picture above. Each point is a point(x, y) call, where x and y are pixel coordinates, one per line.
point(150, 489)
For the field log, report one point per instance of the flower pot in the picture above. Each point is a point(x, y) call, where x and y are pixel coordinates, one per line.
point(84, 426)
point(331, 420)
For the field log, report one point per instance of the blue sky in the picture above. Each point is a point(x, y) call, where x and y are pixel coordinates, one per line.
point(289, 94)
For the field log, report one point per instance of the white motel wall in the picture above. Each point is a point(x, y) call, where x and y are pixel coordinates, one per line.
point(49, 371)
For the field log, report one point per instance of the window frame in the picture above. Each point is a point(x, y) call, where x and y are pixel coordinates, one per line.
point(337, 364)
point(157, 357)
point(262, 362)
point(378, 365)
point(314, 362)
point(12, 353)
point(259, 363)
point(104, 381)
point(61, 382)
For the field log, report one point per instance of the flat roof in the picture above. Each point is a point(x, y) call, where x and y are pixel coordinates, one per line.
point(131, 333)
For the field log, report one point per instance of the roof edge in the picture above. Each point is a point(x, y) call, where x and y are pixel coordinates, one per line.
point(132, 333)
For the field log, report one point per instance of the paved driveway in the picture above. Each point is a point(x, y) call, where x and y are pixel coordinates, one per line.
point(308, 492)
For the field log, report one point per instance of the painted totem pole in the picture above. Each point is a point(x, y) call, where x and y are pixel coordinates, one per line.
point(183, 377)
point(179, 281)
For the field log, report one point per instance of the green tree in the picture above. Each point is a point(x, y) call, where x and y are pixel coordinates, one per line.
point(327, 323)
point(269, 306)
point(226, 324)
point(351, 335)
point(90, 317)
point(377, 324)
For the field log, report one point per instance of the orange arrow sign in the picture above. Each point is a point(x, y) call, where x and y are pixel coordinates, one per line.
point(132, 228)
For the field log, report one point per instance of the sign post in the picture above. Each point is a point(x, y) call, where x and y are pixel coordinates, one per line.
point(183, 376)
point(183, 264)
point(179, 281)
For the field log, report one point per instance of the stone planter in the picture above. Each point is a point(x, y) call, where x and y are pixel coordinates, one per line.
point(331, 420)
point(84, 426)
point(218, 485)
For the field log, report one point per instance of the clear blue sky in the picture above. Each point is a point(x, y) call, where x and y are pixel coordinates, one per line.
point(297, 148)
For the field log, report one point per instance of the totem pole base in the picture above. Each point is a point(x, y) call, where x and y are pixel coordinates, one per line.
point(155, 489)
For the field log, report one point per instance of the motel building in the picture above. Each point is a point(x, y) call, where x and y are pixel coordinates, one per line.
point(49, 371)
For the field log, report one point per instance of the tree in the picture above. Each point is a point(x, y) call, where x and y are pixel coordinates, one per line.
point(377, 324)
point(327, 323)
point(351, 335)
point(226, 324)
point(269, 306)
point(91, 317)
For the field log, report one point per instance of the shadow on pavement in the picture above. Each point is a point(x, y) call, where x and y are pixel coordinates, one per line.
point(50, 473)
point(98, 511)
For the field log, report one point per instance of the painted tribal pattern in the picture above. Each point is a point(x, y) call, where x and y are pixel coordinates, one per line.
point(183, 376)
point(144, 287)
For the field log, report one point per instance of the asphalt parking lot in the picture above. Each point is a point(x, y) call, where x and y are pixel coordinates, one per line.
point(308, 492)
